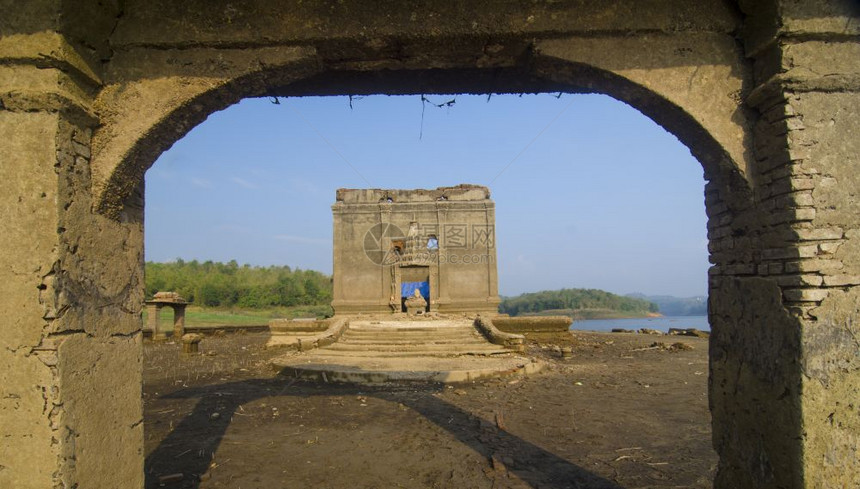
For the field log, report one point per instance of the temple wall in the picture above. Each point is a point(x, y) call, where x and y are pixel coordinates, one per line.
point(462, 272)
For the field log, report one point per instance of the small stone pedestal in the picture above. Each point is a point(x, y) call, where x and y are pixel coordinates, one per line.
point(191, 342)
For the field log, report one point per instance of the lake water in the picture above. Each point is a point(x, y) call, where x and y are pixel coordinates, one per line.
point(660, 323)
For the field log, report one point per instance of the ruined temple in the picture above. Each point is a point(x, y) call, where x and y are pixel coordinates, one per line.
point(393, 248)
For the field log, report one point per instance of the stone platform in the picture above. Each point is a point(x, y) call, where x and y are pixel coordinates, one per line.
point(373, 352)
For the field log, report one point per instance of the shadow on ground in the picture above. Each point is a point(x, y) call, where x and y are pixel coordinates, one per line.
point(200, 433)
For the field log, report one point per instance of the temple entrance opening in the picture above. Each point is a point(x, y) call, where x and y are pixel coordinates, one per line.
point(415, 284)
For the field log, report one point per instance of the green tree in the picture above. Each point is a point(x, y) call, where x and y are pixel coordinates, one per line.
point(228, 284)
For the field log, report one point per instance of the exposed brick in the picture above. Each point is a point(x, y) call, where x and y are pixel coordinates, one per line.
point(799, 280)
point(818, 265)
point(740, 269)
point(797, 152)
point(804, 214)
point(805, 295)
point(819, 234)
point(801, 199)
point(791, 184)
point(807, 251)
point(778, 253)
point(828, 248)
point(841, 280)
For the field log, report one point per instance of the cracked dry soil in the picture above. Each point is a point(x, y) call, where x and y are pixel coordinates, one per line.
point(616, 415)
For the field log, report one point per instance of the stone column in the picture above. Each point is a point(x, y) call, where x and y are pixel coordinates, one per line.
point(29, 376)
point(178, 321)
point(825, 284)
point(153, 322)
point(785, 349)
point(71, 281)
point(72, 289)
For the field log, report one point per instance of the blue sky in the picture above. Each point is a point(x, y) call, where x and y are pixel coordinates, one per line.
point(589, 192)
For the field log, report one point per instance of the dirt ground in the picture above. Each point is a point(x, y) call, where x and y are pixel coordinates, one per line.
point(617, 415)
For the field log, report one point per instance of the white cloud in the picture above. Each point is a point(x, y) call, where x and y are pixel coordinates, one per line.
point(243, 183)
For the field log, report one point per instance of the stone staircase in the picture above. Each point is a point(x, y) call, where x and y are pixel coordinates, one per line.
point(446, 351)
point(411, 339)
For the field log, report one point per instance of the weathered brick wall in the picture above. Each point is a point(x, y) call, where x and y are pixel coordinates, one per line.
point(783, 383)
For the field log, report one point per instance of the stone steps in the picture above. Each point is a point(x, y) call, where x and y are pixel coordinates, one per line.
point(405, 370)
point(362, 370)
point(406, 351)
point(421, 331)
point(414, 335)
point(407, 330)
point(410, 352)
point(416, 338)
point(409, 342)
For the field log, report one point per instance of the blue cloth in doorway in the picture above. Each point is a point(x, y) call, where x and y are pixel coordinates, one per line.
point(407, 289)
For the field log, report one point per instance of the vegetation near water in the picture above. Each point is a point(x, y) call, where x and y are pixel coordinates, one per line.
point(677, 306)
point(578, 304)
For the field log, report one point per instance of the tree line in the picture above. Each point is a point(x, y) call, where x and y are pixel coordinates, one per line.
point(574, 299)
point(230, 284)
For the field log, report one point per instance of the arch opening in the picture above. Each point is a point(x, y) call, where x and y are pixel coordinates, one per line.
point(209, 401)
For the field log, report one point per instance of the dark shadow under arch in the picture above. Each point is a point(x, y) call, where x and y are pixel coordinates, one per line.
point(546, 470)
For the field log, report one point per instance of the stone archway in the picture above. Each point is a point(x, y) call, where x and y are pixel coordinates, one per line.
point(766, 98)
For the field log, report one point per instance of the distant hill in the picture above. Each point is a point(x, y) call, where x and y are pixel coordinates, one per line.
point(578, 304)
point(677, 306)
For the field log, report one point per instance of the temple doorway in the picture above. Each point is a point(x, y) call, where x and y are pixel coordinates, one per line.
point(412, 279)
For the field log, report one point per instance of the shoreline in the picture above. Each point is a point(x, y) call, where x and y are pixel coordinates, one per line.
point(663, 323)
point(589, 314)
